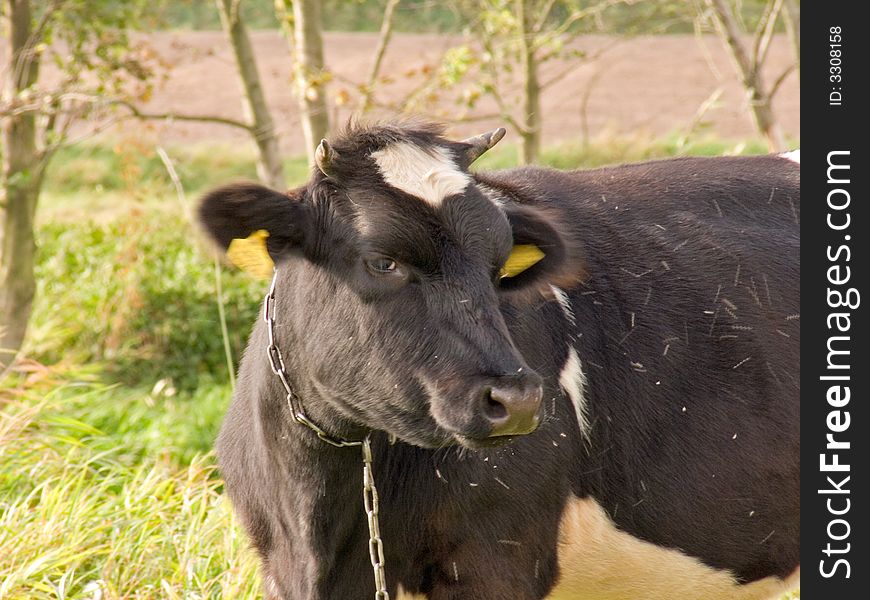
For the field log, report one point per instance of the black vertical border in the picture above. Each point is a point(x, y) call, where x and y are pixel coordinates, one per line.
point(826, 128)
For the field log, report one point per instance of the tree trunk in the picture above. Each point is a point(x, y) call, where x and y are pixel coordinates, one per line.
point(270, 168)
point(750, 76)
point(22, 178)
point(310, 74)
point(530, 135)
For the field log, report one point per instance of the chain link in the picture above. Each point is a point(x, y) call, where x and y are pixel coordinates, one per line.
point(370, 492)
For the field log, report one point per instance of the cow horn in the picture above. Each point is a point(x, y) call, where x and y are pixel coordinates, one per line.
point(324, 156)
point(479, 144)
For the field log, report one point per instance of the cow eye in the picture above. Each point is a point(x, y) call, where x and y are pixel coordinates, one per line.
point(381, 265)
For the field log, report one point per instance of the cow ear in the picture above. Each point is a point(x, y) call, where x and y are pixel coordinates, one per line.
point(254, 225)
point(542, 254)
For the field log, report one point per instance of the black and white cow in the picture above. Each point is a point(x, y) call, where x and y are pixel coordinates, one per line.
point(618, 420)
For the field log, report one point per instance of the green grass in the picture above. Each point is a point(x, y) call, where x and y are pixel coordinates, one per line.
point(79, 516)
point(105, 178)
point(138, 294)
point(98, 498)
point(107, 481)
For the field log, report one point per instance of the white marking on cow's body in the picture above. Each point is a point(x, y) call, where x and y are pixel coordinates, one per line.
point(794, 155)
point(430, 174)
point(573, 381)
point(563, 300)
point(597, 561)
point(401, 594)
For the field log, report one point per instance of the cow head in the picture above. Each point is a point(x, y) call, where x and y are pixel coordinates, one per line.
point(390, 284)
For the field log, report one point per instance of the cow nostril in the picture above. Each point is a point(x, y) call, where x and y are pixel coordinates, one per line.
point(495, 410)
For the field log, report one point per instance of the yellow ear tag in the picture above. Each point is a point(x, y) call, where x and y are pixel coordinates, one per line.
point(250, 254)
point(521, 258)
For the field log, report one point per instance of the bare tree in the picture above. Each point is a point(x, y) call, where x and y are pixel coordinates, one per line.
point(302, 23)
point(749, 61)
point(269, 164)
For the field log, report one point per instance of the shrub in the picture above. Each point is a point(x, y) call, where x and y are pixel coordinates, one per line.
point(139, 295)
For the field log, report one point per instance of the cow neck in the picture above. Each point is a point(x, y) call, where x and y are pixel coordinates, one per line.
point(279, 368)
point(298, 414)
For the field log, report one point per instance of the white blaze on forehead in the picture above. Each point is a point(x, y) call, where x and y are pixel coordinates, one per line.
point(430, 174)
point(794, 155)
point(573, 381)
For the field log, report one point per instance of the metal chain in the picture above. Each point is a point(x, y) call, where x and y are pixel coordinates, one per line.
point(370, 492)
point(276, 361)
point(370, 501)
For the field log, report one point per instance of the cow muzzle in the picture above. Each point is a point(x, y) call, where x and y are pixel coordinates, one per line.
point(511, 405)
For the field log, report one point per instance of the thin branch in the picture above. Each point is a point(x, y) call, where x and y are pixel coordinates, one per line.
point(613, 43)
point(495, 92)
point(168, 116)
point(765, 34)
point(50, 125)
point(66, 142)
point(702, 44)
point(542, 18)
point(730, 34)
point(578, 15)
point(42, 100)
point(176, 181)
point(43, 21)
point(61, 129)
point(471, 118)
point(135, 113)
point(584, 104)
point(763, 20)
point(95, 101)
point(792, 17)
point(506, 114)
point(779, 80)
point(574, 65)
point(383, 42)
point(702, 110)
